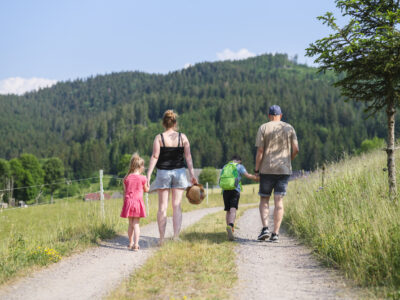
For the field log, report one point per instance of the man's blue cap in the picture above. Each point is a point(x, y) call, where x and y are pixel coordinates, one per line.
point(275, 110)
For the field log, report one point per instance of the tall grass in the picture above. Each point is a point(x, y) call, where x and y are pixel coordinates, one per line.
point(39, 235)
point(350, 221)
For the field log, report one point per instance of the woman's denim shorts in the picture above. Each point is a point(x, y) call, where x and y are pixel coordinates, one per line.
point(171, 179)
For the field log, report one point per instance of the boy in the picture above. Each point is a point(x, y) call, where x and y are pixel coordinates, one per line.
point(229, 182)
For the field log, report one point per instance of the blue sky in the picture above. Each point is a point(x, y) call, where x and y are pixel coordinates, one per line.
point(62, 40)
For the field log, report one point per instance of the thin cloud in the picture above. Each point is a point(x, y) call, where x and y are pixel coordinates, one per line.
point(19, 86)
point(187, 65)
point(228, 54)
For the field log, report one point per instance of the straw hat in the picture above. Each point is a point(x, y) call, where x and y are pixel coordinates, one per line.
point(195, 194)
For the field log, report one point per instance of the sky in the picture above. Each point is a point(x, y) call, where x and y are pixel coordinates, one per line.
point(45, 41)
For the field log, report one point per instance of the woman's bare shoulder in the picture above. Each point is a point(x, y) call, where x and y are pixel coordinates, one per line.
point(184, 138)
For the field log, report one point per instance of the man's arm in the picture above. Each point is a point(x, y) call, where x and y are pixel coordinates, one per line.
point(259, 157)
point(295, 149)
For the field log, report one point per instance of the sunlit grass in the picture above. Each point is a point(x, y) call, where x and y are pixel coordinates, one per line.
point(350, 221)
point(69, 226)
point(201, 266)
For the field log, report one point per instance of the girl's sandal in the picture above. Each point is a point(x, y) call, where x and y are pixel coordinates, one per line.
point(136, 248)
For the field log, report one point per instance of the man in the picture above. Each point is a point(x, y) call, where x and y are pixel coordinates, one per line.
point(277, 146)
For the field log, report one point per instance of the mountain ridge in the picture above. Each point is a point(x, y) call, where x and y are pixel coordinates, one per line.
point(90, 123)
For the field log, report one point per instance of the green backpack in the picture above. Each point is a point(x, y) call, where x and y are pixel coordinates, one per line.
point(229, 177)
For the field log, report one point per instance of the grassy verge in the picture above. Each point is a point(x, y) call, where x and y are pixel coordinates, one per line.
point(40, 235)
point(350, 222)
point(201, 266)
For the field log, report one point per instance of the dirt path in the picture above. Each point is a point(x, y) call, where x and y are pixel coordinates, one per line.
point(284, 270)
point(95, 272)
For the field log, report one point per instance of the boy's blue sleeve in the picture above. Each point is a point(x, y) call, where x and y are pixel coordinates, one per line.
point(241, 169)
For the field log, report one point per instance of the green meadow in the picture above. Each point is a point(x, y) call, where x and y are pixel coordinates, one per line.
point(346, 216)
point(39, 235)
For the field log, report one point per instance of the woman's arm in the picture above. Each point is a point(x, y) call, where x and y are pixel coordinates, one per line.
point(153, 158)
point(188, 158)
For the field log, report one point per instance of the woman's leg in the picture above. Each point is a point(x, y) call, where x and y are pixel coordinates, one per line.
point(130, 232)
point(162, 212)
point(136, 229)
point(177, 210)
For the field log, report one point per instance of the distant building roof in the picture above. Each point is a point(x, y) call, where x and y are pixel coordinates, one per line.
point(96, 196)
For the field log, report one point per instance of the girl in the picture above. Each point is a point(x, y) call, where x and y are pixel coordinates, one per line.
point(133, 209)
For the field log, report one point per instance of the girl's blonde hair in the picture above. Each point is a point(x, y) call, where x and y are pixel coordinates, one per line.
point(136, 163)
point(169, 119)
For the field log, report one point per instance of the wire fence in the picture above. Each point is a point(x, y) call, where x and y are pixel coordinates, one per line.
point(97, 188)
point(87, 189)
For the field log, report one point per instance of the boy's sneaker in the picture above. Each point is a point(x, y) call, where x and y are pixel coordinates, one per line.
point(274, 238)
point(264, 234)
point(230, 230)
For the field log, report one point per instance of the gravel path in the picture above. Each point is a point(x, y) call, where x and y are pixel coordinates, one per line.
point(95, 272)
point(284, 270)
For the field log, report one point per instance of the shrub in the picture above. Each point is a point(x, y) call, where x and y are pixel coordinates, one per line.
point(210, 175)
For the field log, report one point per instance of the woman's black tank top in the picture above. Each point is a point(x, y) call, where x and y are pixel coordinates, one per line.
point(171, 157)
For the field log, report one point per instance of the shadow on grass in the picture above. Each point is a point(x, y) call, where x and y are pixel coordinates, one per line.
point(211, 237)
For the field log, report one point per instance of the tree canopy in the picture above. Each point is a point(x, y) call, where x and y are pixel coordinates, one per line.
point(365, 53)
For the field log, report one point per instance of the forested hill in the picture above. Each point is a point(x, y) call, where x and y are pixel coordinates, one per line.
point(90, 123)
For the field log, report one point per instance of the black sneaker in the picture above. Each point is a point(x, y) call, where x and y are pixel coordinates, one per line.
point(264, 234)
point(274, 238)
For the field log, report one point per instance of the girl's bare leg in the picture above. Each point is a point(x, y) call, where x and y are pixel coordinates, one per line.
point(136, 229)
point(130, 232)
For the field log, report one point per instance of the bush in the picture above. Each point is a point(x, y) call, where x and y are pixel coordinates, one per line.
point(210, 175)
point(68, 190)
point(371, 144)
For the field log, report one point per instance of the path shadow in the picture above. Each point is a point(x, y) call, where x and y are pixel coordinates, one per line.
point(213, 237)
point(121, 242)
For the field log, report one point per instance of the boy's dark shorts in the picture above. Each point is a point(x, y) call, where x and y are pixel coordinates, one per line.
point(231, 199)
point(269, 182)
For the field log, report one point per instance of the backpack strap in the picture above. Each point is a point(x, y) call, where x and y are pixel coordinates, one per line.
point(179, 140)
point(162, 139)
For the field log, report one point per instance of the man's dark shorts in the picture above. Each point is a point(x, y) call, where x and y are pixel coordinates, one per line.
point(269, 182)
point(231, 199)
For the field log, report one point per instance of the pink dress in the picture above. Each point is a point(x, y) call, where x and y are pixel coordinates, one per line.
point(133, 201)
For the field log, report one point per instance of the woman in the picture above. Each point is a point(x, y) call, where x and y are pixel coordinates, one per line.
point(169, 150)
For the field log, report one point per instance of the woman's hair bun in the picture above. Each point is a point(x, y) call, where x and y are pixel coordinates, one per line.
point(169, 118)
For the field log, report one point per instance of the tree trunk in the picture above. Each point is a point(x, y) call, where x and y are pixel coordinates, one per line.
point(51, 199)
point(391, 112)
